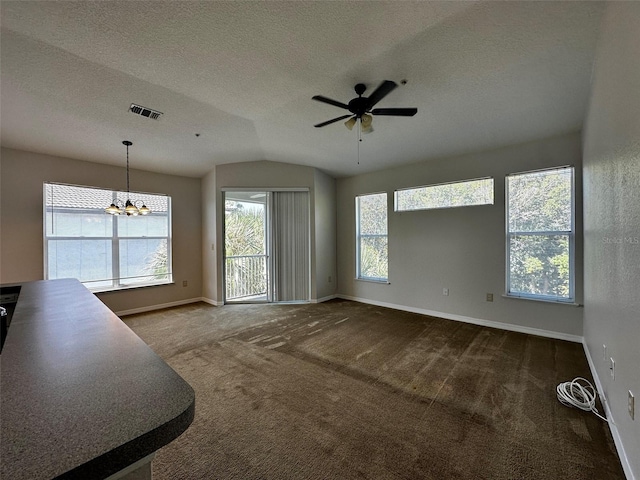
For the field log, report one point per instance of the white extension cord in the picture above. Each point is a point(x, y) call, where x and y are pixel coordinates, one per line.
point(579, 395)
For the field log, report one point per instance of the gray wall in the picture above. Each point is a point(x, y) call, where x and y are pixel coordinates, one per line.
point(612, 218)
point(325, 239)
point(21, 255)
point(267, 174)
point(462, 249)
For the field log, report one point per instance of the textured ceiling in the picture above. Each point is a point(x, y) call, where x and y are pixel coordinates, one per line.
point(242, 74)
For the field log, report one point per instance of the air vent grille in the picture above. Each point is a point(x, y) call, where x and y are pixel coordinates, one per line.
point(144, 111)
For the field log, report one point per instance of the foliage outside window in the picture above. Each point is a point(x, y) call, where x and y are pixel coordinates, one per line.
point(102, 251)
point(372, 239)
point(541, 234)
point(245, 249)
point(445, 195)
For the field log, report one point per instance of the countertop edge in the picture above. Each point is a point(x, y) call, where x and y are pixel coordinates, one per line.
point(134, 450)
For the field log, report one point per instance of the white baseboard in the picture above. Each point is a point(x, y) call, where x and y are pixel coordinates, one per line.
point(324, 299)
point(159, 306)
point(624, 460)
point(475, 321)
point(319, 300)
point(211, 302)
point(433, 313)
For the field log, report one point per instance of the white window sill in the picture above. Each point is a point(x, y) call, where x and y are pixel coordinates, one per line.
point(128, 287)
point(373, 280)
point(543, 300)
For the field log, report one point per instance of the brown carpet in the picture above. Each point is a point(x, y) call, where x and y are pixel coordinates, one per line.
point(343, 390)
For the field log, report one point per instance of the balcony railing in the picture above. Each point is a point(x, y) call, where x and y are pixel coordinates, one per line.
point(246, 276)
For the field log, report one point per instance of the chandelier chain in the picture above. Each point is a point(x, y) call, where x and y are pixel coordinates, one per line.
point(127, 170)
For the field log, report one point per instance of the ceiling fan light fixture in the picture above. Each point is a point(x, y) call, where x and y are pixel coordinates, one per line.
point(365, 123)
point(350, 123)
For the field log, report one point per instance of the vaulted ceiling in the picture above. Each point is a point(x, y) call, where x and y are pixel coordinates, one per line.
point(241, 74)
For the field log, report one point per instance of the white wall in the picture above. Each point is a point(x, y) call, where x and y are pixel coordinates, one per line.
point(612, 220)
point(209, 238)
point(21, 252)
point(267, 174)
point(462, 249)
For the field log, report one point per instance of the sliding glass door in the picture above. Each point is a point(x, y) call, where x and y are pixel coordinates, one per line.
point(266, 251)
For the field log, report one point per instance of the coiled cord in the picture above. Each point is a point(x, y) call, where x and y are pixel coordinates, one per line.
point(579, 395)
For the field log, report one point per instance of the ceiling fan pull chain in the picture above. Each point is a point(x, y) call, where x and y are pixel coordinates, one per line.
point(359, 140)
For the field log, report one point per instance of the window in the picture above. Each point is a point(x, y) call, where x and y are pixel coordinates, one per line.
point(445, 195)
point(371, 241)
point(105, 252)
point(541, 235)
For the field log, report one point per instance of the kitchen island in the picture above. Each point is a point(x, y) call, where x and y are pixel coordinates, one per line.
point(82, 396)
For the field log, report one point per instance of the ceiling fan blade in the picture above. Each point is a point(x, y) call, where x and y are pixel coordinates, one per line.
point(328, 122)
point(397, 112)
point(379, 93)
point(335, 103)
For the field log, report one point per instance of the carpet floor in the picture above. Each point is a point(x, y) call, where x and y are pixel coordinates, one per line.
point(344, 390)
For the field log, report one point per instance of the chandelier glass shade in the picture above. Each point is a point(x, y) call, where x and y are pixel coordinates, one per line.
point(129, 208)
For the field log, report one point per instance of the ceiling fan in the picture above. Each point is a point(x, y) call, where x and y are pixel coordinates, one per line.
point(361, 108)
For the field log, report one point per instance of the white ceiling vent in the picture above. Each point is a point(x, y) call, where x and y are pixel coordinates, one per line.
point(144, 111)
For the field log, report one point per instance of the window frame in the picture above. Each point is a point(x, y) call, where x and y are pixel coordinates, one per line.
point(359, 236)
point(118, 283)
point(435, 185)
point(570, 234)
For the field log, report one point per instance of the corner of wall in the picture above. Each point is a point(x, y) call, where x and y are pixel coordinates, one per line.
point(209, 240)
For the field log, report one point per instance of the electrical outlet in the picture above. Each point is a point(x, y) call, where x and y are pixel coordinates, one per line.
point(329, 278)
point(489, 297)
point(612, 368)
point(185, 283)
point(604, 352)
point(632, 406)
point(445, 291)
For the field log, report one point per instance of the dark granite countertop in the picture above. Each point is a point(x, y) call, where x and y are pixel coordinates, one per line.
point(82, 396)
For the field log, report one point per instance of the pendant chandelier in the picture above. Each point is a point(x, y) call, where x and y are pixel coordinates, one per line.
point(129, 208)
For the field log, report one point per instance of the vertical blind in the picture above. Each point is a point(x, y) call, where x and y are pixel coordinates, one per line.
point(290, 243)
